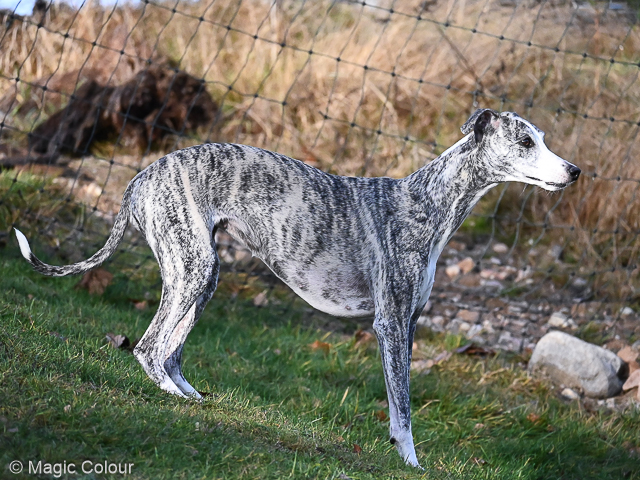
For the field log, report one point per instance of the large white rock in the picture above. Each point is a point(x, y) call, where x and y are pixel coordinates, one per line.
point(572, 362)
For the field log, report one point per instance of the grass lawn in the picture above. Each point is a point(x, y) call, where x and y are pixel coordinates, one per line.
point(278, 408)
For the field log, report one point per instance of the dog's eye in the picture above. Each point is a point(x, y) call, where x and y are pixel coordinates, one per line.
point(526, 142)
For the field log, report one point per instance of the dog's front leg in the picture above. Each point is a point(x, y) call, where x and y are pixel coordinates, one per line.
point(393, 332)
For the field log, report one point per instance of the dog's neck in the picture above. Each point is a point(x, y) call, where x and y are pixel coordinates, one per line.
point(450, 186)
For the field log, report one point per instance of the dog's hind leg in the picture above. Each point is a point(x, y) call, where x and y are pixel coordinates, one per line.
point(189, 266)
point(173, 363)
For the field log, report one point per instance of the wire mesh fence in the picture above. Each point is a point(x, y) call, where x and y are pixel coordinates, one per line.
point(90, 95)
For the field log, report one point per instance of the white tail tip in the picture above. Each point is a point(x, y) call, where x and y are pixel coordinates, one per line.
point(24, 244)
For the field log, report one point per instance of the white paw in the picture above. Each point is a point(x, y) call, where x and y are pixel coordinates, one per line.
point(403, 442)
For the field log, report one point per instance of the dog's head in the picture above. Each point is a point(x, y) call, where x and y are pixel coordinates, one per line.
point(514, 151)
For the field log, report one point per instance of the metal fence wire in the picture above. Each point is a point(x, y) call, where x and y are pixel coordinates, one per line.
point(90, 95)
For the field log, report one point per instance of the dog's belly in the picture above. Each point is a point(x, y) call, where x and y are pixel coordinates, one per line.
point(336, 290)
point(346, 305)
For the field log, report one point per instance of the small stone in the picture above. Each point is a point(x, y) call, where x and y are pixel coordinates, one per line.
point(570, 394)
point(500, 248)
point(524, 275)
point(626, 312)
point(469, 281)
point(457, 326)
point(487, 273)
point(468, 316)
point(557, 319)
point(474, 331)
point(560, 320)
point(579, 310)
point(466, 265)
point(242, 256)
point(575, 363)
point(421, 366)
point(495, 303)
point(628, 354)
point(514, 310)
point(492, 284)
point(633, 381)
point(488, 326)
point(508, 342)
point(261, 299)
point(452, 271)
point(225, 255)
point(459, 246)
point(437, 320)
point(435, 323)
point(505, 273)
point(423, 321)
point(579, 282)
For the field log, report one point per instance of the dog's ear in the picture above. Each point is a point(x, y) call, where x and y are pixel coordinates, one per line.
point(478, 122)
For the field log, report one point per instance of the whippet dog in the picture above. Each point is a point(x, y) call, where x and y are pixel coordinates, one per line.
point(350, 247)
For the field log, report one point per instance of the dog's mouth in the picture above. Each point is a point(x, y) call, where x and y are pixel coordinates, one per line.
point(554, 185)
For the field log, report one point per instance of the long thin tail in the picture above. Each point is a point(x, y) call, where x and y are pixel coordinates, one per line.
point(119, 226)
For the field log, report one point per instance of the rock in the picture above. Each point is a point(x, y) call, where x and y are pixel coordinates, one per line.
point(423, 321)
point(422, 366)
point(474, 331)
point(459, 246)
point(508, 342)
point(487, 273)
point(452, 271)
point(579, 283)
point(626, 312)
point(505, 273)
point(560, 320)
point(457, 326)
point(630, 356)
point(524, 275)
point(633, 381)
point(487, 325)
point(435, 323)
point(492, 285)
point(469, 281)
point(468, 316)
point(500, 248)
point(495, 303)
point(242, 256)
point(570, 394)
point(466, 265)
point(574, 363)
point(261, 300)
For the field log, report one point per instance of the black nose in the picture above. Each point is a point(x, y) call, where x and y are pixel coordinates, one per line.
point(574, 172)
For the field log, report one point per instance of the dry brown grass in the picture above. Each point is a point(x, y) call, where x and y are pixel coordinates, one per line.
point(553, 89)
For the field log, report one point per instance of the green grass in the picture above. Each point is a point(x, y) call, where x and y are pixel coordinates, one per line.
point(278, 409)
